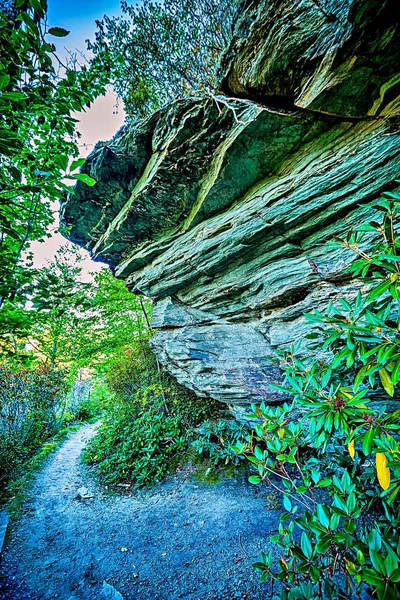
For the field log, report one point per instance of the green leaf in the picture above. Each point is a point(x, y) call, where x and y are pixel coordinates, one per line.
point(360, 376)
point(58, 31)
point(391, 195)
point(324, 483)
point(379, 290)
point(258, 453)
point(345, 304)
point(37, 6)
point(12, 97)
point(349, 526)
point(374, 540)
point(84, 178)
point(377, 561)
point(371, 576)
point(395, 577)
point(254, 479)
point(61, 161)
point(323, 515)
point(360, 557)
point(306, 545)
point(10, 143)
point(390, 563)
point(396, 373)
point(77, 163)
point(334, 521)
point(365, 227)
point(323, 544)
point(24, 16)
point(4, 81)
point(351, 358)
point(368, 441)
point(286, 503)
point(339, 357)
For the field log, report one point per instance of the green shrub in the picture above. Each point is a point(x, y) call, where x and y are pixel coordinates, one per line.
point(137, 370)
point(217, 440)
point(92, 406)
point(135, 446)
point(149, 419)
point(134, 369)
point(31, 401)
point(338, 467)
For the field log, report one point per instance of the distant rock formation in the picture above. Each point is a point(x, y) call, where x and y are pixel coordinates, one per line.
point(221, 209)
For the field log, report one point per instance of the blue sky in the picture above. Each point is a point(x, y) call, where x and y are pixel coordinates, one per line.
point(78, 16)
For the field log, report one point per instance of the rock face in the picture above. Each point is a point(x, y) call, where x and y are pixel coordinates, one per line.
point(221, 209)
point(334, 56)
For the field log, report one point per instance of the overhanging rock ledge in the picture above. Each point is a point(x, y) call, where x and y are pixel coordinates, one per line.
point(221, 209)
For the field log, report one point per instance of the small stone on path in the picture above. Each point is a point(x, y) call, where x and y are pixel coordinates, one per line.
point(83, 494)
point(108, 592)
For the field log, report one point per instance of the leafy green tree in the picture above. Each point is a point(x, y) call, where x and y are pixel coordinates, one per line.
point(63, 316)
point(38, 95)
point(73, 323)
point(121, 319)
point(158, 51)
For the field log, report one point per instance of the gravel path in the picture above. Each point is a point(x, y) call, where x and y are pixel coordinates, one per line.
point(181, 539)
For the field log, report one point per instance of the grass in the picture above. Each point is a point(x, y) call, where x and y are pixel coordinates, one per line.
point(14, 495)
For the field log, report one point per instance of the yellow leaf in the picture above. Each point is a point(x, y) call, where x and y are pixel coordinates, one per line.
point(382, 470)
point(351, 567)
point(386, 382)
point(350, 448)
point(361, 406)
point(281, 432)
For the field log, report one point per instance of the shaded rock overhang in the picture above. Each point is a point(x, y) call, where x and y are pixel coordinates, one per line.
point(222, 209)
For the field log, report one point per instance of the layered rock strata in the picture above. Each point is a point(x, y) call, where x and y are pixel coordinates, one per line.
point(222, 209)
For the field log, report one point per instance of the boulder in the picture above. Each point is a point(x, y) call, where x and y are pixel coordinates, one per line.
point(222, 209)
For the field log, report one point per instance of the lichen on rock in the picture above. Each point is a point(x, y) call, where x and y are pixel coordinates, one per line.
point(221, 209)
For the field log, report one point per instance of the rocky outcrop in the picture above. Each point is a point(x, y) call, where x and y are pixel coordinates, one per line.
point(333, 56)
point(222, 209)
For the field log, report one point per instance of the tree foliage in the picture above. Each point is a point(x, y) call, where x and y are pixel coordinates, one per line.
point(38, 95)
point(70, 327)
point(159, 50)
point(71, 323)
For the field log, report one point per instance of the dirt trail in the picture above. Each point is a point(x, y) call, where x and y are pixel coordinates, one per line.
point(181, 540)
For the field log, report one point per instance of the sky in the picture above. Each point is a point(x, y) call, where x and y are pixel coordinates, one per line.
point(78, 17)
point(103, 119)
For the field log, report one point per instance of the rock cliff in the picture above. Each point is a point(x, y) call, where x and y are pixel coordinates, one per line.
point(221, 209)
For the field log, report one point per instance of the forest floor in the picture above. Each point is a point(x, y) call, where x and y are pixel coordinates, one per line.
point(183, 539)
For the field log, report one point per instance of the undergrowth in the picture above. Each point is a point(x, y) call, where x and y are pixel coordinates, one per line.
point(152, 421)
point(334, 453)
